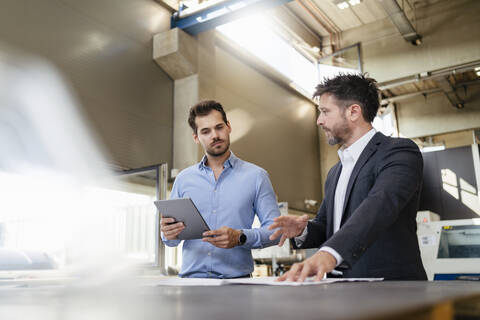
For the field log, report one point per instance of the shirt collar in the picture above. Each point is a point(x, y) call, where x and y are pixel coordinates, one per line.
point(355, 150)
point(230, 162)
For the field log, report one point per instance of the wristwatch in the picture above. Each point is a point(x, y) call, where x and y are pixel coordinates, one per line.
point(242, 239)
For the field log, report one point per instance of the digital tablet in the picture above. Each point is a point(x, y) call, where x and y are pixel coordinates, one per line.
point(184, 210)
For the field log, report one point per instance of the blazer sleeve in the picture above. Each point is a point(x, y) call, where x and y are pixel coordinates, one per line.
point(317, 228)
point(316, 231)
point(398, 178)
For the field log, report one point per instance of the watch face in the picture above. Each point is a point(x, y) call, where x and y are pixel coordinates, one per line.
point(243, 238)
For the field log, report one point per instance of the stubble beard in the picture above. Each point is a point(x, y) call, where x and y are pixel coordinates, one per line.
point(335, 140)
point(218, 153)
point(338, 134)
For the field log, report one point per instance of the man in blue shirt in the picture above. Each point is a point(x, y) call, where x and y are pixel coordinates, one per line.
point(228, 192)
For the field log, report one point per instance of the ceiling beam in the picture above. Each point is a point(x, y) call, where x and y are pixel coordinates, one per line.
point(393, 99)
point(401, 22)
point(430, 75)
point(450, 92)
point(426, 92)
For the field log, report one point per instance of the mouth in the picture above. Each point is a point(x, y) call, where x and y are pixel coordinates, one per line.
point(216, 143)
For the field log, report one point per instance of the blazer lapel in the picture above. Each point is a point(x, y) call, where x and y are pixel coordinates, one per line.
point(331, 197)
point(369, 150)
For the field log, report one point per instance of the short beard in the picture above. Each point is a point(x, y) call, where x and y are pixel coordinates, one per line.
point(335, 140)
point(339, 134)
point(213, 153)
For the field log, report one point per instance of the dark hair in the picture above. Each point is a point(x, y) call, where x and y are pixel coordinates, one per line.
point(203, 108)
point(353, 88)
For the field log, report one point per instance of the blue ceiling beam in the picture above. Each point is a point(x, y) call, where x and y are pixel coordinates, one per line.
point(221, 13)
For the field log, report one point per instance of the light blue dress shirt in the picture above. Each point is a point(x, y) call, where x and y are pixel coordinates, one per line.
point(241, 191)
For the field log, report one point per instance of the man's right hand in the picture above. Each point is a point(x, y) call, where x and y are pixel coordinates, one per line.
point(288, 227)
point(170, 228)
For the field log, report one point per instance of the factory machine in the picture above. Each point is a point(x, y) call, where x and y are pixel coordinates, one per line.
point(450, 249)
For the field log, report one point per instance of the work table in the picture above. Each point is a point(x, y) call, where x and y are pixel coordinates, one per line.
point(143, 301)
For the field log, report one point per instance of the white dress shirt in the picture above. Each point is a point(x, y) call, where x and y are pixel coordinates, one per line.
point(348, 157)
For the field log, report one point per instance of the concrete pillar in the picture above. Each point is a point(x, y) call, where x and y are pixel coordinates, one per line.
point(185, 94)
point(190, 62)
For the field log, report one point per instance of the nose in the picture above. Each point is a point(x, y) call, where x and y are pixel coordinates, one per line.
point(320, 120)
point(215, 134)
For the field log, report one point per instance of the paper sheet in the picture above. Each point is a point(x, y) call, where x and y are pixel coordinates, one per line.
point(269, 281)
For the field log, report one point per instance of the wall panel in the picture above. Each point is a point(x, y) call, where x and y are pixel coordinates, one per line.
point(104, 51)
point(272, 127)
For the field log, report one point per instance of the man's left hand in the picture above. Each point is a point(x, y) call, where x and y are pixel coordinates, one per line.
point(224, 237)
point(317, 265)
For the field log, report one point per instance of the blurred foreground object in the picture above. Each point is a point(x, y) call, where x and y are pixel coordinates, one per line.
point(57, 195)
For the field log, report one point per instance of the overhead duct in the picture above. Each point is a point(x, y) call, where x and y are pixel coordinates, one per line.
point(401, 22)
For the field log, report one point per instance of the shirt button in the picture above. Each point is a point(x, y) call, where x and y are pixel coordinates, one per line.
point(214, 211)
point(209, 253)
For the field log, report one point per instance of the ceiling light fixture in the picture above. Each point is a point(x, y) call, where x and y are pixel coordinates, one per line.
point(344, 4)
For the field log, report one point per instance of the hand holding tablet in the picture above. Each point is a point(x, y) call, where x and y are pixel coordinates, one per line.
point(170, 228)
point(180, 219)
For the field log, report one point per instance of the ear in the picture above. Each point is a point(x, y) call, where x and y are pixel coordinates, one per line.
point(229, 127)
point(195, 138)
point(355, 112)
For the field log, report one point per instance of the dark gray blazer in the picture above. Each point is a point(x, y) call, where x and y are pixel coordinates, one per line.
point(377, 236)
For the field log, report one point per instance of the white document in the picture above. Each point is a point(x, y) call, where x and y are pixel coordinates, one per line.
point(269, 281)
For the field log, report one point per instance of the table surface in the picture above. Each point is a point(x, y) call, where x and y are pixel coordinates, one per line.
point(128, 300)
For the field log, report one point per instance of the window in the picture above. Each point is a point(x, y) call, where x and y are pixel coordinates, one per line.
point(50, 221)
point(256, 34)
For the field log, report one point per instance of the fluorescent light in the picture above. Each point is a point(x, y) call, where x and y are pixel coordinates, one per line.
point(478, 73)
point(477, 69)
point(433, 148)
point(256, 35)
point(354, 2)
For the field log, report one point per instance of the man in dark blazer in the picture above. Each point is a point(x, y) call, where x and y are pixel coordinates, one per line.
point(366, 225)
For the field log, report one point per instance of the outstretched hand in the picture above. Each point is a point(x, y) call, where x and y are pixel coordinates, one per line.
point(288, 227)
